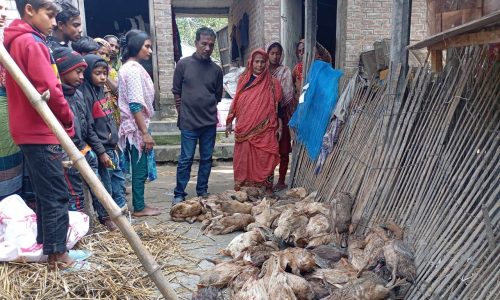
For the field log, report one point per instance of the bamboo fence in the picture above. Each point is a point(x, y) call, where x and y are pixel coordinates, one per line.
point(427, 159)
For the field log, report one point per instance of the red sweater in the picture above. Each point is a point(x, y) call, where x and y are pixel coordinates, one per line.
point(27, 48)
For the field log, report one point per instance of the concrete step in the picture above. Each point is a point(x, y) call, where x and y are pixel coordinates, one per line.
point(163, 126)
point(170, 153)
point(174, 138)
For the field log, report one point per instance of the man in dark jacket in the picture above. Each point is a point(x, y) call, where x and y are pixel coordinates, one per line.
point(197, 89)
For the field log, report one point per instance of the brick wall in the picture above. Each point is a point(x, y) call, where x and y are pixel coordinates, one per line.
point(264, 16)
point(370, 20)
point(165, 57)
point(272, 21)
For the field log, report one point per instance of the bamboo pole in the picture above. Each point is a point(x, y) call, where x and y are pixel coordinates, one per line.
point(39, 103)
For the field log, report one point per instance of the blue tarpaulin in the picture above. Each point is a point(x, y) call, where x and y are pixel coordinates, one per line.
point(311, 118)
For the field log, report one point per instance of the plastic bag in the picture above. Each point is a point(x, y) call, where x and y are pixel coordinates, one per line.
point(18, 231)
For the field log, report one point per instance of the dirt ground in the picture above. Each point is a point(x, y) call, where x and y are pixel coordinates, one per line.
point(159, 193)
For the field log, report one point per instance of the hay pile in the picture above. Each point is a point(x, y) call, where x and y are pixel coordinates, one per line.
point(297, 248)
point(119, 274)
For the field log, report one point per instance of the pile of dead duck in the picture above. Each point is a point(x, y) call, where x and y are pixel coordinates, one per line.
point(295, 247)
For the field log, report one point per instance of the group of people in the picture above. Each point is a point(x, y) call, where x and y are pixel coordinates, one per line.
point(102, 96)
point(266, 97)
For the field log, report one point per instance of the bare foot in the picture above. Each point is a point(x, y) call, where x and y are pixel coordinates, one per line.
point(59, 261)
point(147, 212)
point(280, 186)
point(110, 225)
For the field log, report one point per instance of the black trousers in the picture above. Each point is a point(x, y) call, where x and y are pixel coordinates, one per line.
point(47, 178)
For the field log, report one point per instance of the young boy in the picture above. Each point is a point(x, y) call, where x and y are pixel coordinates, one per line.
point(71, 66)
point(105, 127)
point(68, 27)
point(25, 41)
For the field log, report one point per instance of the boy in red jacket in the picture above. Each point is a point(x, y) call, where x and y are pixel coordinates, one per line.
point(25, 41)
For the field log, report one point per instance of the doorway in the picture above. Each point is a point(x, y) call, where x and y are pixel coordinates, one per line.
point(327, 25)
point(116, 17)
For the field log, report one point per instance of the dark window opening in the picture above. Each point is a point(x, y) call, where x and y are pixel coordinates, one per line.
point(115, 16)
point(327, 25)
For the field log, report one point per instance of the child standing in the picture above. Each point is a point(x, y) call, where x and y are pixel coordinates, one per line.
point(71, 67)
point(25, 41)
point(105, 127)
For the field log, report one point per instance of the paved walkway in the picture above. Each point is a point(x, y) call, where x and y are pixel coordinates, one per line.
point(160, 192)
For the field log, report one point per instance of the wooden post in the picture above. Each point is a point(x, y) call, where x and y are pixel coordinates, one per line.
point(310, 35)
point(340, 44)
point(39, 103)
point(437, 60)
point(152, 32)
point(400, 39)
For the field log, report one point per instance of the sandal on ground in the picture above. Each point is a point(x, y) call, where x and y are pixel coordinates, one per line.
point(78, 266)
point(146, 212)
point(77, 255)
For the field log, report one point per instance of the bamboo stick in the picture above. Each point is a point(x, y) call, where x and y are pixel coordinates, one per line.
point(39, 102)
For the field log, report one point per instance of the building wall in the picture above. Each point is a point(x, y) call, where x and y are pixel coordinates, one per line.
point(164, 53)
point(370, 20)
point(265, 22)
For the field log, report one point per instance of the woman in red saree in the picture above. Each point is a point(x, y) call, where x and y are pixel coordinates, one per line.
point(257, 129)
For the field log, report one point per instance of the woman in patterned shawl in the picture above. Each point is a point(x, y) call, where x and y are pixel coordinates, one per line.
point(287, 107)
point(136, 96)
point(257, 131)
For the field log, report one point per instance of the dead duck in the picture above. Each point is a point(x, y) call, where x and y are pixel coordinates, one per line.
point(258, 254)
point(291, 227)
point(211, 206)
point(313, 208)
point(243, 241)
point(341, 273)
point(374, 247)
point(298, 260)
point(209, 293)
point(224, 225)
point(297, 193)
point(265, 214)
point(393, 230)
point(280, 283)
point(360, 289)
point(355, 253)
point(231, 207)
point(340, 215)
point(240, 196)
point(188, 211)
point(400, 260)
point(318, 225)
point(254, 194)
point(319, 287)
point(300, 287)
point(263, 288)
point(320, 240)
point(397, 255)
point(249, 273)
point(327, 256)
point(221, 274)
